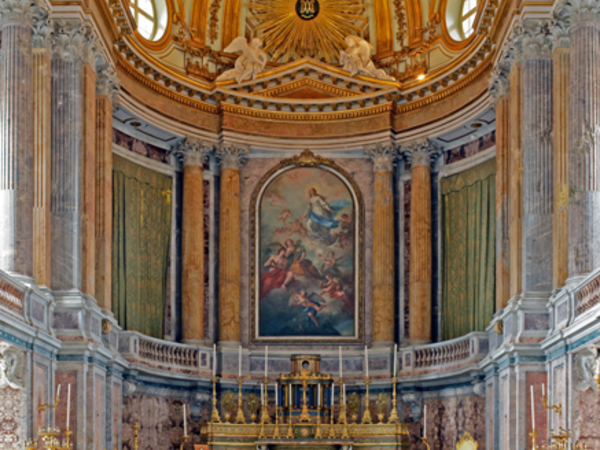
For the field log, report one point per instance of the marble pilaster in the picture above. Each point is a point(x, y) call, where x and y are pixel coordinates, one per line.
point(231, 158)
point(383, 156)
point(41, 147)
point(16, 138)
point(561, 59)
point(538, 167)
point(421, 155)
point(500, 91)
point(106, 90)
point(73, 47)
point(584, 137)
point(193, 154)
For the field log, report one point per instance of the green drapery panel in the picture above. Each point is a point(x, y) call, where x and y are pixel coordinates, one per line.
point(141, 235)
point(468, 250)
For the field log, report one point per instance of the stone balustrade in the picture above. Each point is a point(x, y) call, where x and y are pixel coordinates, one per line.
point(465, 350)
point(137, 347)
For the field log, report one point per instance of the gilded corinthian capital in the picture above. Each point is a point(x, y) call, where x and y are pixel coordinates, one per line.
point(421, 153)
point(232, 156)
point(16, 11)
point(382, 155)
point(192, 152)
point(74, 41)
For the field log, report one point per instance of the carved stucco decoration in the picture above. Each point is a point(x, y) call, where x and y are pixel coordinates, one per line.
point(588, 369)
point(12, 367)
point(249, 64)
point(356, 59)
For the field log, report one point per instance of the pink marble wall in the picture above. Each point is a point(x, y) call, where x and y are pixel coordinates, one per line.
point(536, 379)
point(64, 379)
point(10, 419)
point(253, 170)
point(40, 395)
point(447, 420)
point(161, 421)
point(589, 412)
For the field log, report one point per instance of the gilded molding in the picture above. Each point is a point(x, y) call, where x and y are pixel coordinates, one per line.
point(314, 116)
point(42, 27)
point(16, 11)
point(213, 22)
point(382, 155)
point(192, 152)
point(107, 83)
point(422, 152)
point(307, 81)
point(232, 156)
point(73, 41)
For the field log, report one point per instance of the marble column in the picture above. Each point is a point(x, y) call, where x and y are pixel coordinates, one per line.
point(41, 147)
point(421, 154)
point(515, 182)
point(500, 92)
point(584, 137)
point(106, 90)
point(193, 154)
point(538, 167)
point(16, 138)
point(560, 93)
point(231, 158)
point(384, 311)
point(73, 49)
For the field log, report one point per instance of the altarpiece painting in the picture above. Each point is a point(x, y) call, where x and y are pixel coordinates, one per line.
point(307, 249)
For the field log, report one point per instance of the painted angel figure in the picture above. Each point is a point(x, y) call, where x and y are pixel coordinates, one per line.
point(357, 59)
point(250, 63)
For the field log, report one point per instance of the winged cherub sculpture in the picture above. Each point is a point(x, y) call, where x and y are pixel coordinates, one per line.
point(250, 63)
point(357, 59)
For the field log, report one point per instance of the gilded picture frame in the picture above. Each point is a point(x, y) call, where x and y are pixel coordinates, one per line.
point(297, 312)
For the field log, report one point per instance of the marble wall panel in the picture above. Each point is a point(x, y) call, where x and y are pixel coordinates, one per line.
point(10, 419)
point(537, 322)
point(470, 149)
point(448, 419)
point(140, 147)
point(161, 422)
point(589, 412)
point(64, 379)
point(252, 171)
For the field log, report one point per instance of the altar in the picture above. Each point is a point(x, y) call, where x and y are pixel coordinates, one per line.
point(305, 416)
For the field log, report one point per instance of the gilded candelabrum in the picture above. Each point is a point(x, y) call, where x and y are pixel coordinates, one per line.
point(394, 412)
point(264, 415)
point(136, 436)
point(185, 439)
point(367, 415)
point(533, 435)
point(318, 433)
point(342, 419)
point(331, 434)
point(305, 415)
point(276, 431)
point(214, 416)
point(240, 419)
point(424, 439)
point(290, 433)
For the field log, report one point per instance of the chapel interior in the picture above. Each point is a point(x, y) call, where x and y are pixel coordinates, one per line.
point(281, 224)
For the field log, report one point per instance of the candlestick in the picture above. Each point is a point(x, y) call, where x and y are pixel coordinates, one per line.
point(394, 412)
point(543, 390)
point(424, 439)
point(214, 417)
point(331, 433)
point(533, 435)
point(136, 436)
point(184, 439)
point(262, 395)
point(332, 394)
point(367, 361)
point(318, 433)
point(184, 420)
point(395, 360)
point(214, 360)
point(276, 432)
point(344, 392)
point(264, 418)
point(276, 394)
point(240, 362)
point(240, 412)
point(532, 409)
point(340, 361)
point(367, 415)
point(318, 395)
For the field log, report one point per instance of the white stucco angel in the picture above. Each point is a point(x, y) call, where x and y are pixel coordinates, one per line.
point(250, 63)
point(12, 367)
point(357, 59)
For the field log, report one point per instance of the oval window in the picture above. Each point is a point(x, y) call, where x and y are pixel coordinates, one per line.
point(150, 17)
point(460, 18)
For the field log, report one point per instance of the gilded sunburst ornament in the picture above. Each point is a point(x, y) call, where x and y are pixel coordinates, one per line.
point(292, 29)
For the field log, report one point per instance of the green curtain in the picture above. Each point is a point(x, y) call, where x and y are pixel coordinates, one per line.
point(468, 250)
point(141, 235)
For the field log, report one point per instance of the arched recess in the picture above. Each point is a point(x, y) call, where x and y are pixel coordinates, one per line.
point(296, 294)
